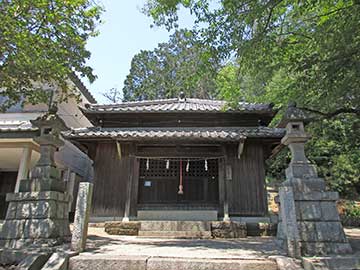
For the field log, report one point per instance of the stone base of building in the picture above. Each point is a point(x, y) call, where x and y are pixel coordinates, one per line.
point(178, 229)
point(36, 218)
point(122, 228)
point(228, 229)
point(309, 223)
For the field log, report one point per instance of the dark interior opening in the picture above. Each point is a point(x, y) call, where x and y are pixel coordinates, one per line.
point(159, 182)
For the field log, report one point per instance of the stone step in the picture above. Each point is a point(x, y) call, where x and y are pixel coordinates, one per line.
point(332, 263)
point(171, 214)
point(96, 262)
point(191, 226)
point(176, 234)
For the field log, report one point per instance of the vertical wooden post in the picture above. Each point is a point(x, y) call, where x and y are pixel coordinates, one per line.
point(221, 185)
point(23, 167)
point(225, 191)
point(128, 193)
point(135, 187)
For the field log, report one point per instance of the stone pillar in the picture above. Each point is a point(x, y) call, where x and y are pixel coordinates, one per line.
point(38, 215)
point(309, 224)
point(23, 167)
point(82, 215)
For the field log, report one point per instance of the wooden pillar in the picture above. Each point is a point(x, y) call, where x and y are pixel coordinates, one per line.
point(225, 188)
point(226, 201)
point(23, 167)
point(223, 198)
point(128, 192)
point(135, 187)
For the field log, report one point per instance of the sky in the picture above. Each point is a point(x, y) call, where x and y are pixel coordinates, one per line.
point(124, 32)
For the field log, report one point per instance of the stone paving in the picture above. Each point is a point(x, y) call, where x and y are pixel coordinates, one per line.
point(100, 243)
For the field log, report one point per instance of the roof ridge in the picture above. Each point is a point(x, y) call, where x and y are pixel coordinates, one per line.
point(179, 105)
point(138, 102)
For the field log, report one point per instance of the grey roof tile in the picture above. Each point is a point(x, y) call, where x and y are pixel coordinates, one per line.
point(203, 133)
point(16, 125)
point(177, 105)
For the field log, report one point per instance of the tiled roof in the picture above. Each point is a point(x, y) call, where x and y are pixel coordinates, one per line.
point(178, 105)
point(203, 133)
point(16, 125)
point(79, 84)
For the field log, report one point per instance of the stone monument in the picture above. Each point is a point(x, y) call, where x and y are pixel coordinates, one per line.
point(309, 223)
point(82, 215)
point(38, 214)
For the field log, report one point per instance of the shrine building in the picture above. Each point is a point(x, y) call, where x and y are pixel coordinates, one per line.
point(178, 159)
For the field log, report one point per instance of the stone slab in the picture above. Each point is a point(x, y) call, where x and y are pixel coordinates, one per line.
point(122, 228)
point(11, 256)
point(286, 263)
point(174, 215)
point(228, 229)
point(33, 196)
point(175, 226)
point(261, 229)
point(331, 263)
point(209, 264)
point(108, 263)
point(301, 170)
point(42, 184)
point(325, 248)
point(82, 214)
point(330, 232)
point(289, 221)
point(57, 261)
point(33, 262)
point(176, 234)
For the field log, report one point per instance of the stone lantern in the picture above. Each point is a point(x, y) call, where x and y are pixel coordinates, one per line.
point(309, 224)
point(38, 215)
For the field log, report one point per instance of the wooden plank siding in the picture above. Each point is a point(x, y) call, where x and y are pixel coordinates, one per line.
point(246, 191)
point(110, 180)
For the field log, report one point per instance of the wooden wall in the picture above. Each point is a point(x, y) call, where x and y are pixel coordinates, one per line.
point(246, 191)
point(110, 180)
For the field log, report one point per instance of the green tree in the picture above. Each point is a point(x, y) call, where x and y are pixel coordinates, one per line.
point(311, 45)
point(302, 51)
point(41, 43)
point(182, 64)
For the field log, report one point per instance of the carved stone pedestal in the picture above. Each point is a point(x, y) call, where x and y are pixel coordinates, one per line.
point(38, 214)
point(36, 218)
point(309, 223)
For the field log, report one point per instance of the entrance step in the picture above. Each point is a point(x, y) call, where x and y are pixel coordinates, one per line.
point(175, 229)
point(175, 234)
point(332, 263)
point(96, 262)
point(172, 214)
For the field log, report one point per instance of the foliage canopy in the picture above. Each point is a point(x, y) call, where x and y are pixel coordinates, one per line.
point(42, 42)
point(302, 51)
point(182, 64)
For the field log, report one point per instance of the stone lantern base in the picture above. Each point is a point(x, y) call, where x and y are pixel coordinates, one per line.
point(36, 218)
point(309, 223)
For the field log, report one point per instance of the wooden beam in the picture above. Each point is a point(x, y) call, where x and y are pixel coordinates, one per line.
point(32, 145)
point(118, 148)
point(240, 149)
